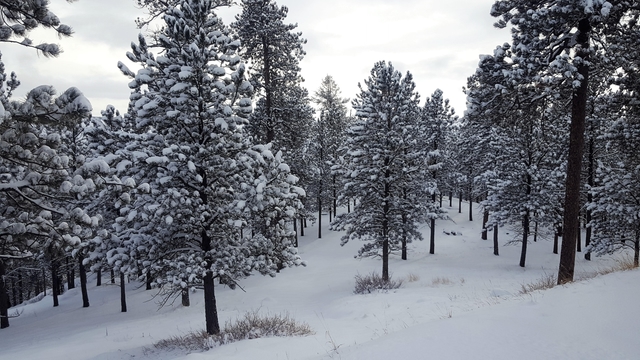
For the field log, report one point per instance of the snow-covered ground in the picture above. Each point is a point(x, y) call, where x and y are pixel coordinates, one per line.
point(462, 303)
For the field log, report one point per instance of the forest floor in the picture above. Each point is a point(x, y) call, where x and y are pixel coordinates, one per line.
point(462, 302)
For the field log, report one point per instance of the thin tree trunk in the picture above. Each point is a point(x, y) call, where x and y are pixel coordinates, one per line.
point(71, 275)
point(485, 219)
point(4, 298)
point(535, 231)
point(83, 283)
point(123, 294)
point(295, 230)
point(460, 203)
point(440, 199)
point(55, 287)
point(185, 297)
point(335, 197)
point(432, 233)
point(99, 277)
point(148, 280)
point(470, 207)
point(450, 198)
point(525, 238)
point(574, 162)
point(302, 226)
point(495, 241)
point(556, 235)
point(113, 276)
point(578, 238)
point(319, 218)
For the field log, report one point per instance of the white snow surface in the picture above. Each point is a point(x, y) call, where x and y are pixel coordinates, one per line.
point(463, 303)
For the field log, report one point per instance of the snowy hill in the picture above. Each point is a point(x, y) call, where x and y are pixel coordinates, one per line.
point(461, 303)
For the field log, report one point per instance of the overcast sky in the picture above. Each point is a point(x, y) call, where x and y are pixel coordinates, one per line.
point(437, 41)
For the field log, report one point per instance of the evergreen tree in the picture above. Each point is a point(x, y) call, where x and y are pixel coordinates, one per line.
point(19, 17)
point(283, 115)
point(195, 100)
point(552, 50)
point(383, 168)
point(436, 120)
point(328, 135)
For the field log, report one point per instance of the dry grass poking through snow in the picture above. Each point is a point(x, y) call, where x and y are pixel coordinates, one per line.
point(622, 263)
point(366, 284)
point(545, 282)
point(252, 326)
point(412, 277)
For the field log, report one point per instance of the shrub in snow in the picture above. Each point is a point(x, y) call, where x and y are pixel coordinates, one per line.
point(252, 326)
point(366, 284)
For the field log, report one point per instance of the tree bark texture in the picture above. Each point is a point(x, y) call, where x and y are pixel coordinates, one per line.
point(83, 283)
point(574, 161)
point(496, 252)
point(55, 287)
point(123, 294)
point(485, 219)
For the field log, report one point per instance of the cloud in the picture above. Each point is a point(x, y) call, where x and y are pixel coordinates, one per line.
point(438, 41)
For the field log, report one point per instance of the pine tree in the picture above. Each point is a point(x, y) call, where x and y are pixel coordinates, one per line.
point(43, 182)
point(195, 100)
point(383, 168)
point(19, 17)
point(283, 115)
point(328, 135)
point(436, 120)
point(553, 48)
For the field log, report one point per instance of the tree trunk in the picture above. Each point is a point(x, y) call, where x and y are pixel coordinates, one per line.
point(404, 237)
point(535, 231)
point(335, 197)
point(319, 218)
point(525, 238)
point(302, 226)
point(450, 198)
point(495, 241)
point(556, 235)
point(295, 230)
point(148, 280)
point(485, 219)
point(55, 287)
point(432, 233)
point(4, 298)
point(470, 207)
point(440, 199)
point(99, 277)
point(113, 276)
point(210, 307)
point(83, 283)
point(574, 161)
point(123, 294)
point(460, 203)
point(185, 297)
point(578, 238)
point(71, 275)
